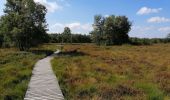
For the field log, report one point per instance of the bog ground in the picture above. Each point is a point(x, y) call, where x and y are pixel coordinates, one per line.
point(92, 72)
point(116, 72)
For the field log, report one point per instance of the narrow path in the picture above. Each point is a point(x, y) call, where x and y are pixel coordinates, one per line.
point(43, 84)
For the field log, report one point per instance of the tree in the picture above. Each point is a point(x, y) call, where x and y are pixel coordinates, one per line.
point(24, 23)
point(67, 36)
point(168, 36)
point(111, 30)
point(97, 33)
point(122, 27)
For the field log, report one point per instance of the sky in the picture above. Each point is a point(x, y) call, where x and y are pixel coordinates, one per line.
point(150, 18)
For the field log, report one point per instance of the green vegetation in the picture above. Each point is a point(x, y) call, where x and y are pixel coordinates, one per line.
point(76, 38)
point(122, 72)
point(16, 70)
point(111, 30)
point(146, 41)
point(67, 37)
point(85, 71)
point(23, 25)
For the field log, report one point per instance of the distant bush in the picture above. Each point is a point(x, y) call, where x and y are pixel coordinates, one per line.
point(76, 38)
point(147, 41)
point(138, 41)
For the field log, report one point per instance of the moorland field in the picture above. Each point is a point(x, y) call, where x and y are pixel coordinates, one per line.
point(87, 71)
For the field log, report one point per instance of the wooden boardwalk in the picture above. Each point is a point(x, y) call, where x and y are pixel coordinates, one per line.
point(43, 84)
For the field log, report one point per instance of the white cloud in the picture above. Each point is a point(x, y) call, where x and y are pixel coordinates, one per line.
point(147, 32)
point(142, 29)
point(51, 6)
point(146, 10)
point(106, 15)
point(76, 27)
point(164, 29)
point(158, 20)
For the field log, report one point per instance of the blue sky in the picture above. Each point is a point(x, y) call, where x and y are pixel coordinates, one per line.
point(150, 18)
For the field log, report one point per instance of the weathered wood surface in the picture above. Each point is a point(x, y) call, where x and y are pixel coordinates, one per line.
point(43, 84)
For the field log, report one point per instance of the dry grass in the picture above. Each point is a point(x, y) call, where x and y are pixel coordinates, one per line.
point(116, 72)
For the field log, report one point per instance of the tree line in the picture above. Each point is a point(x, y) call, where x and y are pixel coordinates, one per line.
point(23, 25)
point(147, 41)
point(76, 38)
point(68, 37)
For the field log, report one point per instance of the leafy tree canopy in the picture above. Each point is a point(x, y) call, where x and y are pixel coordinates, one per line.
point(110, 30)
point(67, 36)
point(23, 24)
